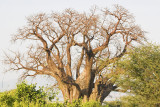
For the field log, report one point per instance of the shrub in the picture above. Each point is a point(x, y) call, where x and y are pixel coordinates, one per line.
point(6, 99)
point(92, 104)
point(28, 93)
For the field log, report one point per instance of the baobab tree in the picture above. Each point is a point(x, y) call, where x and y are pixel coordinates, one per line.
point(70, 47)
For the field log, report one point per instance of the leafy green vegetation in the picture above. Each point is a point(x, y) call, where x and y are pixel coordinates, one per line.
point(7, 99)
point(142, 75)
point(29, 93)
point(25, 94)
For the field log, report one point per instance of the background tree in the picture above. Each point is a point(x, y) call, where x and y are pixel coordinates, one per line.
point(69, 46)
point(142, 74)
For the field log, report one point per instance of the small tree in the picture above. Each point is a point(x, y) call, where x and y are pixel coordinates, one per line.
point(29, 93)
point(24, 94)
point(69, 46)
point(142, 73)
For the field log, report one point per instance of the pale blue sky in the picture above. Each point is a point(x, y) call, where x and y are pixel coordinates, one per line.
point(14, 12)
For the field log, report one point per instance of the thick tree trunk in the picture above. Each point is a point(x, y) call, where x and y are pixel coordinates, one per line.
point(101, 91)
point(84, 82)
point(97, 91)
point(70, 92)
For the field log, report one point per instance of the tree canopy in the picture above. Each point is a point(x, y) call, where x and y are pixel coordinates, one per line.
point(142, 73)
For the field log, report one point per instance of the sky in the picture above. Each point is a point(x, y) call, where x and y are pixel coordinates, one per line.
point(13, 15)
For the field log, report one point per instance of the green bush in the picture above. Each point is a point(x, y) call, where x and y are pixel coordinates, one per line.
point(7, 99)
point(28, 93)
point(92, 104)
point(79, 103)
point(113, 104)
